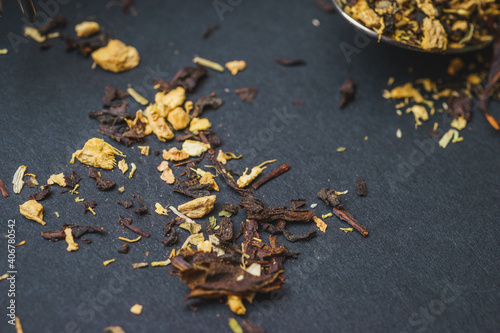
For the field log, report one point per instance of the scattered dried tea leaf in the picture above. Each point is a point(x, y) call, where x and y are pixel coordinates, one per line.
point(72, 245)
point(257, 210)
point(124, 249)
point(198, 207)
point(236, 66)
point(208, 178)
point(123, 166)
point(127, 203)
point(116, 56)
point(361, 187)
point(420, 113)
point(249, 327)
point(44, 192)
point(89, 205)
point(143, 210)
point(207, 63)
point(87, 29)
point(284, 62)
point(302, 237)
point(107, 262)
point(175, 154)
point(206, 102)
point(17, 180)
point(246, 179)
point(53, 23)
point(320, 223)
point(199, 124)
point(127, 223)
point(136, 309)
point(348, 92)
point(5, 194)
point(195, 148)
point(460, 107)
point(330, 197)
point(247, 94)
point(111, 94)
point(187, 77)
point(97, 153)
point(209, 30)
point(32, 210)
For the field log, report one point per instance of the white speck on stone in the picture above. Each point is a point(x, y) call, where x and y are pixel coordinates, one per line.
point(316, 22)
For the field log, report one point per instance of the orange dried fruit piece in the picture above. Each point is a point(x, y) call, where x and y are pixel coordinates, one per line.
point(198, 207)
point(175, 154)
point(32, 210)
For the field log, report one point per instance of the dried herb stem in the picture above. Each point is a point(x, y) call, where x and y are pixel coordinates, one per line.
point(346, 216)
point(280, 170)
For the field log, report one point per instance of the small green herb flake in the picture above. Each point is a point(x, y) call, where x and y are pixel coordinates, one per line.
point(233, 324)
point(341, 149)
point(213, 222)
point(225, 213)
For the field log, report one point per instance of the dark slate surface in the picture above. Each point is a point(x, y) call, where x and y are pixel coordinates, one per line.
point(430, 263)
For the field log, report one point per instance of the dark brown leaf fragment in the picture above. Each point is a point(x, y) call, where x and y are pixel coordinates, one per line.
point(325, 6)
point(247, 94)
point(275, 173)
point(346, 216)
point(348, 92)
point(127, 223)
point(56, 22)
point(30, 183)
point(297, 203)
point(88, 205)
point(126, 203)
point(80, 230)
point(284, 62)
point(86, 46)
point(72, 179)
point(172, 239)
point(257, 210)
point(233, 209)
point(112, 94)
point(493, 78)
point(206, 102)
point(104, 185)
point(227, 176)
point(191, 189)
point(329, 197)
point(209, 30)
point(295, 237)
point(86, 241)
point(226, 232)
point(187, 77)
point(361, 187)
point(460, 106)
point(44, 192)
point(124, 249)
point(5, 194)
point(249, 327)
point(143, 210)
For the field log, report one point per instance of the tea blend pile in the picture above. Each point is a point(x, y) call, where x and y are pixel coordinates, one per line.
point(429, 25)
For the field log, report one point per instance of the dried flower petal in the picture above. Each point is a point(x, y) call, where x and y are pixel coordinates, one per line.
point(32, 210)
point(175, 154)
point(195, 148)
point(320, 224)
point(123, 166)
point(57, 179)
point(160, 210)
point(98, 153)
point(72, 245)
point(136, 309)
point(199, 124)
point(144, 150)
point(17, 181)
point(107, 262)
point(420, 113)
point(246, 179)
point(158, 124)
point(224, 157)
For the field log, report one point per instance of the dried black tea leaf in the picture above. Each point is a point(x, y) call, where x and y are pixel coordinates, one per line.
point(206, 102)
point(227, 176)
point(143, 210)
point(127, 223)
point(86, 241)
point(226, 232)
point(297, 203)
point(44, 192)
point(104, 185)
point(56, 22)
point(460, 106)
point(80, 230)
point(361, 187)
point(72, 179)
point(249, 327)
point(284, 62)
point(247, 94)
point(294, 237)
point(233, 209)
point(257, 210)
point(329, 197)
point(209, 136)
point(172, 238)
point(187, 77)
point(209, 30)
point(127, 203)
point(86, 46)
point(325, 6)
point(89, 205)
point(112, 94)
point(348, 92)
point(192, 189)
point(124, 249)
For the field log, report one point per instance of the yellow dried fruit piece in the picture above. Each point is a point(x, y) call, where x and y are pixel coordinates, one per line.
point(72, 246)
point(205, 246)
point(123, 166)
point(178, 118)
point(34, 34)
point(57, 179)
point(140, 118)
point(208, 178)
point(166, 102)
point(199, 124)
point(320, 223)
point(144, 150)
point(198, 207)
point(405, 91)
point(419, 112)
point(107, 262)
point(236, 304)
point(87, 28)
point(160, 210)
point(459, 123)
point(224, 157)
point(434, 35)
point(246, 179)
point(116, 56)
point(32, 210)
point(195, 148)
point(167, 174)
point(236, 66)
point(158, 124)
point(136, 309)
point(175, 154)
point(97, 153)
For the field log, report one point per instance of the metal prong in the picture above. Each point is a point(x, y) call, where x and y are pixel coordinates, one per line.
point(28, 9)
